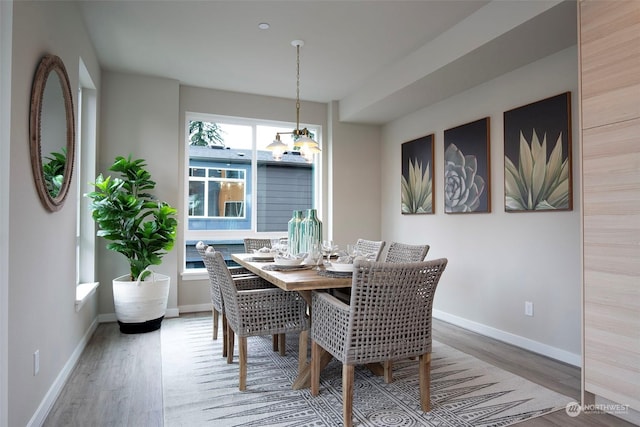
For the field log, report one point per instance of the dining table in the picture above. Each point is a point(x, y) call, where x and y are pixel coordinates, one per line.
point(303, 280)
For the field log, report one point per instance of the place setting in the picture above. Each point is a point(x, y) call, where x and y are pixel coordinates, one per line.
point(283, 260)
point(287, 262)
point(268, 254)
point(338, 263)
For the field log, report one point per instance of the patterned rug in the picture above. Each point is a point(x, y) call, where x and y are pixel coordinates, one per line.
point(200, 388)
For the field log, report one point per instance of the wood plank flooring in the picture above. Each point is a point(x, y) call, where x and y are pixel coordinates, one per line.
point(118, 379)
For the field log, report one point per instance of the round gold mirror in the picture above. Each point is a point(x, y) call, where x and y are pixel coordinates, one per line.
point(52, 132)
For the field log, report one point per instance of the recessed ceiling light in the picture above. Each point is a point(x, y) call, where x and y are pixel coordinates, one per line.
point(263, 26)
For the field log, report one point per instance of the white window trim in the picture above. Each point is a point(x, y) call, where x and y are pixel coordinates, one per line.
point(86, 168)
point(200, 273)
point(83, 292)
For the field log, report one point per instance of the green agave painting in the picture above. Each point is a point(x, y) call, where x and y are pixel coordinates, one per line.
point(537, 183)
point(416, 190)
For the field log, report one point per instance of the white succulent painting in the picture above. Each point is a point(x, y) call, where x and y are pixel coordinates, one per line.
point(462, 184)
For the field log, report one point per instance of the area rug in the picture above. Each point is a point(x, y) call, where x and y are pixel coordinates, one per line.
point(201, 389)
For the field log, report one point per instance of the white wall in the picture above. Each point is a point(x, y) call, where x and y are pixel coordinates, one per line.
point(497, 260)
point(353, 175)
point(139, 116)
point(6, 19)
point(42, 264)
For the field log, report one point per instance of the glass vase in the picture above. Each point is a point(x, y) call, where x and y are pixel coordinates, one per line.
point(294, 232)
point(311, 231)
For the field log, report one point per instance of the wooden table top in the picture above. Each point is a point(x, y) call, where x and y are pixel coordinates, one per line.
point(291, 280)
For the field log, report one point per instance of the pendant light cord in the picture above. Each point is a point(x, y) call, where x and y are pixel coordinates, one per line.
point(298, 89)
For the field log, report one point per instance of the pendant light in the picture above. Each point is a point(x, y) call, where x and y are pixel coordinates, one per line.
point(303, 142)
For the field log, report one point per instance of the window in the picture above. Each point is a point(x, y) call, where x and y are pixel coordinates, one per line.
point(234, 189)
point(216, 192)
point(85, 167)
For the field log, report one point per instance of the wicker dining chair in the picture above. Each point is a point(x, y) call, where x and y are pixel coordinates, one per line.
point(370, 247)
point(235, 270)
point(256, 312)
point(251, 245)
point(401, 252)
point(384, 322)
point(244, 281)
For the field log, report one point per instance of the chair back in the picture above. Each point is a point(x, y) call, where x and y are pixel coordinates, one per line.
point(390, 311)
point(225, 283)
point(370, 247)
point(251, 245)
point(216, 297)
point(401, 252)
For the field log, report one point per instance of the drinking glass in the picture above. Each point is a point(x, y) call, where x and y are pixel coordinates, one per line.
point(275, 245)
point(283, 246)
point(328, 248)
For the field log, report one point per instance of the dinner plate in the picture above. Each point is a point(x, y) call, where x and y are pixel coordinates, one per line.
point(290, 267)
point(262, 255)
point(340, 268)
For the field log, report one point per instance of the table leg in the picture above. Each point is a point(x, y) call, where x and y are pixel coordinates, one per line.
point(303, 379)
point(304, 375)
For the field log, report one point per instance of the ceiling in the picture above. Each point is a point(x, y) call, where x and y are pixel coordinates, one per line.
point(379, 59)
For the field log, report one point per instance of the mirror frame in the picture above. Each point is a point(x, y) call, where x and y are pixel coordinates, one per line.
point(48, 64)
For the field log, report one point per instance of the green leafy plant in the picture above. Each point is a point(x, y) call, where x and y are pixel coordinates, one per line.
point(53, 171)
point(537, 183)
point(416, 191)
point(137, 225)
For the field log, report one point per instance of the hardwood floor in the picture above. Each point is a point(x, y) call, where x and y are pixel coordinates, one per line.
point(118, 380)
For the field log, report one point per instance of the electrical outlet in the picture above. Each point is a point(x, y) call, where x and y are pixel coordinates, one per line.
point(528, 308)
point(36, 362)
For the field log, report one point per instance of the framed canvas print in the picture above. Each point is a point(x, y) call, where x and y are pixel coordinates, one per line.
point(537, 156)
point(417, 176)
point(467, 177)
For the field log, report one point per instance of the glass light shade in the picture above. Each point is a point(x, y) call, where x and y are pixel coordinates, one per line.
point(305, 141)
point(308, 152)
point(277, 148)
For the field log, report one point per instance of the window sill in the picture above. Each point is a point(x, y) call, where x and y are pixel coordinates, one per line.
point(196, 274)
point(83, 292)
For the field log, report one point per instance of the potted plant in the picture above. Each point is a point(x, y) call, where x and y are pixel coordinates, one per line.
point(142, 229)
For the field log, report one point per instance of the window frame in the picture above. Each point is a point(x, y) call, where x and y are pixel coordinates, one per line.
point(214, 236)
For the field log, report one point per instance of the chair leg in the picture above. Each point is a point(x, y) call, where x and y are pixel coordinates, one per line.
point(425, 382)
point(347, 394)
point(214, 315)
point(242, 346)
point(230, 338)
point(388, 371)
point(274, 339)
point(282, 348)
point(315, 368)
point(225, 336)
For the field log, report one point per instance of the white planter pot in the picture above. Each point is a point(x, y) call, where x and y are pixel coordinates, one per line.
point(140, 306)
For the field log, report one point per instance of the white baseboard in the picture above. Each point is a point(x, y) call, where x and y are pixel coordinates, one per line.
point(518, 341)
point(172, 312)
point(56, 388)
point(194, 308)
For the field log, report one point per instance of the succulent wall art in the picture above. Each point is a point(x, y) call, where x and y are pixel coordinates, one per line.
point(537, 156)
point(467, 177)
point(417, 176)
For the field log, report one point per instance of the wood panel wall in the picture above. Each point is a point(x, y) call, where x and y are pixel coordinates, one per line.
point(609, 50)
